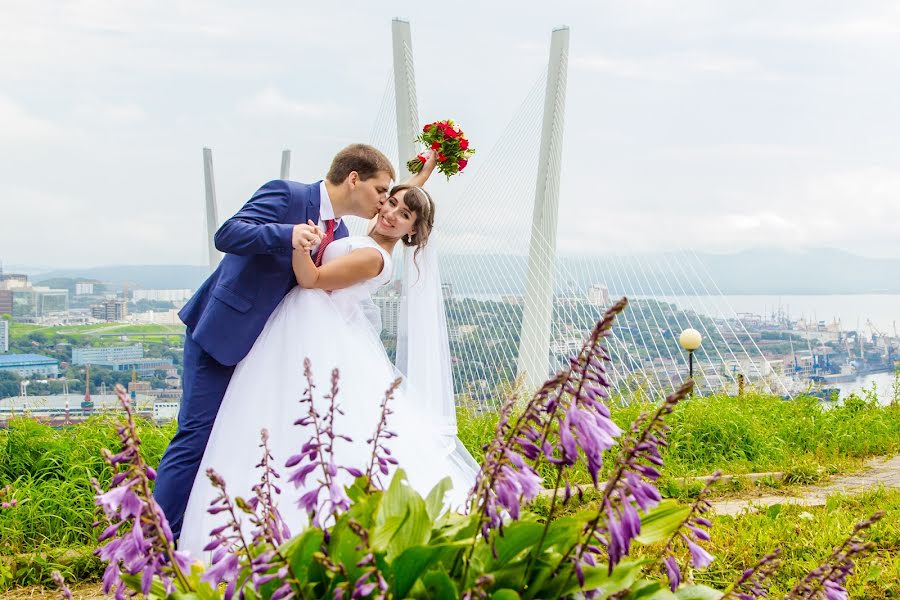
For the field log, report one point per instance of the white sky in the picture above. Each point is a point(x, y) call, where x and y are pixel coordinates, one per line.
point(723, 125)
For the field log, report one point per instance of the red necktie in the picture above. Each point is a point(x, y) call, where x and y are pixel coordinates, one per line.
point(329, 237)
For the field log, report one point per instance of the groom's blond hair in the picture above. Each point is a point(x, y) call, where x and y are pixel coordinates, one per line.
point(366, 160)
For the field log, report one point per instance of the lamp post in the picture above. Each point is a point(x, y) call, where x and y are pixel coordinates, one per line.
point(690, 340)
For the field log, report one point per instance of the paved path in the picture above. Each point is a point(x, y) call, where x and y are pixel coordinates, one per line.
point(878, 471)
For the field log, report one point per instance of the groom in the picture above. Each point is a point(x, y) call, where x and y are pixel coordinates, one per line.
point(228, 312)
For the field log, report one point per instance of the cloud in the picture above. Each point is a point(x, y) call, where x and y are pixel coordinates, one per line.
point(271, 102)
point(129, 112)
point(703, 123)
point(856, 209)
point(864, 30)
point(60, 232)
point(21, 127)
point(673, 67)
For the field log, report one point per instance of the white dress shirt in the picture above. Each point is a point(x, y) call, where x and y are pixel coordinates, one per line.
point(326, 213)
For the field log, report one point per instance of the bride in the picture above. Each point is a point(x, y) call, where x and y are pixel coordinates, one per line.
point(331, 319)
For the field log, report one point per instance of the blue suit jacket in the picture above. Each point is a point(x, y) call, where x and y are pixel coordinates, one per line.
point(228, 312)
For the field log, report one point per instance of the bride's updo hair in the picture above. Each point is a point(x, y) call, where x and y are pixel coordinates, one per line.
point(419, 202)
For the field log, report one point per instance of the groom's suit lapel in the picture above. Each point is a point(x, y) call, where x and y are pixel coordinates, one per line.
point(314, 201)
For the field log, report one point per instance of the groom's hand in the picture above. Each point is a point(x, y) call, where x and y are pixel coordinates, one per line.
point(306, 235)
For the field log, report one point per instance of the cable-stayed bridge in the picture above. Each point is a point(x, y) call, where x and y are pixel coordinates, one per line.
point(515, 309)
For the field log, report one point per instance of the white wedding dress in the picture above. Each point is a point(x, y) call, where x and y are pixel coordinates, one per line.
point(339, 330)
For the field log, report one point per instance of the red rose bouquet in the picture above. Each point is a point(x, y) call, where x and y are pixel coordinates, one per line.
point(447, 140)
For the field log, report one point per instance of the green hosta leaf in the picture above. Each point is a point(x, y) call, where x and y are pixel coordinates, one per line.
point(410, 564)
point(439, 586)
point(202, 590)
point(540, 572)
point(299, 550)
point(435, 500)
point(454, 527)
point(505, 594)
point(622, 578)
point(157, 589)
point(249, 593)
point(650, 590)
point(510, 576)
point(398, 496)
point(697, 592)
point(414, 529)
point(364, 506)
point(661, 522)
point(385, 533)
point(344, 547)
point(517, 537)
point(357, 489)
point(563, 532)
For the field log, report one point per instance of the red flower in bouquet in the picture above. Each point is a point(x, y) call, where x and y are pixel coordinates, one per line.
point(449, 142)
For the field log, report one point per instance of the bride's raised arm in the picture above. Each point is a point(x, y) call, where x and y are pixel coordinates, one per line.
point(419, 179)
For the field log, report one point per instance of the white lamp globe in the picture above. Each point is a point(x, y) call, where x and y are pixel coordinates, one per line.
point(690, 339)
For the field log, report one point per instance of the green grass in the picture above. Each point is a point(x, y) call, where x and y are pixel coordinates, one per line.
point(807, 535)
point(752, 434)
point(50, 471)
point(18, 331)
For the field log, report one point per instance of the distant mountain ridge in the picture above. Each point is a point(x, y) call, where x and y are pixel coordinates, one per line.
point(757, 271)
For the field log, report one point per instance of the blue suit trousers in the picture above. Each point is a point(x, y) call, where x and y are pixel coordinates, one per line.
point(204, 385)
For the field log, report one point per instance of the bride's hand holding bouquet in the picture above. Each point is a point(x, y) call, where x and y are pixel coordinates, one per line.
point(449, 144)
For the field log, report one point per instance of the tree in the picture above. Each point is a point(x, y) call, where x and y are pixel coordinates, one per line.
point(9, 384)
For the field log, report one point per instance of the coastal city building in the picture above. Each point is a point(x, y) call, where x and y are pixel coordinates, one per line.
point(142, 366)
point(178, 295)
point(84, 289)
point(29, 303)
point(11, 281)
point(27, 365)
point(32, 303)
point(155, 317)
point(165, 411)
point(389, 306)
point(111, 310)
point(6, 303)
point(4, 335)
point(97, 356)
point(598, 295)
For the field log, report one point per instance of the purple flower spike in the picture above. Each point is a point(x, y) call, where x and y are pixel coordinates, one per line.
point(829, 578)
point(752, 584)
point(673, 572)
point(298, 477)
point(318, 454)
point(629, 488)
point(60, 582)
point(834, 591)
point(381, 454)
point(700, 558)
point(136, 534)
point(121, 501)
